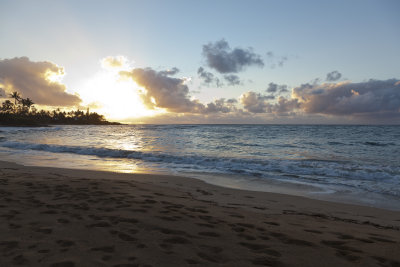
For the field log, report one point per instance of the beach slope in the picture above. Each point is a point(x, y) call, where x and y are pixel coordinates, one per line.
point(60, 217)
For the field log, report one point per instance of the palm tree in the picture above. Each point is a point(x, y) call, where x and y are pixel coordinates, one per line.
point(7, 106)
point(27, 102)
point(16, 96)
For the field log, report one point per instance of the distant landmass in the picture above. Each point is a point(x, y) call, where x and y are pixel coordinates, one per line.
point(23, 113)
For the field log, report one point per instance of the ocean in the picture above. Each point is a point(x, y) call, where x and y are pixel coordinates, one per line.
point(351, 164)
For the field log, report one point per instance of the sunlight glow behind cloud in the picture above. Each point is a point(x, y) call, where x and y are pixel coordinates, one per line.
point(116, 98)
point(117, 63)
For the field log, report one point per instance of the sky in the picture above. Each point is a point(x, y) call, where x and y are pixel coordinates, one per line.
point(207, 61)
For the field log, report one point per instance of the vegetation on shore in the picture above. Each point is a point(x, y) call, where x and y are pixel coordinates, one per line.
point(22, 112)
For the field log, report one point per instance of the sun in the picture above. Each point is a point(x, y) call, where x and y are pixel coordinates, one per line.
point(117, 99)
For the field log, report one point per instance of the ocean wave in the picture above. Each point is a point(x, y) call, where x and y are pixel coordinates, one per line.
point(375, 178)
point(334, 143)
point(9, 130)
point(370, 143)
point(246, 144)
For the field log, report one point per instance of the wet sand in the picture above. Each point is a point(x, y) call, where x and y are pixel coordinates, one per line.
point(59, 217)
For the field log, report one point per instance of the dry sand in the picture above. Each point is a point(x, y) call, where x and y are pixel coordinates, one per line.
point(58, 217)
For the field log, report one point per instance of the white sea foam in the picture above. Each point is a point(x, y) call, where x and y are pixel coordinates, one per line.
point(357, 159)
point(324, 173)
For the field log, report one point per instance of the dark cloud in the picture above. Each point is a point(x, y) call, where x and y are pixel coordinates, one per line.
point(258, 103)
point(31, 79)
point(272, 88)
point(232, 79)
point(271, 97)
point(231, 101)
point(221, 105)
point(370, 99)
point(172, 94)
point(208, 78)
point(283, 89)
point(285, 106)
point(223, 59)
point(333, 76)
point(276, 88)
point(254, 102)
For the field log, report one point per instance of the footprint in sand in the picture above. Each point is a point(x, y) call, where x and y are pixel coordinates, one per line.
point(126, 237)
point(20, 260)
point(99, 224)
point(191, 261)
point(177, 240)
point(63, 264)
point(65, 243)
point(107, 249)
point(44, 230)
point(267, 262)
point(215, 258)
point(312, 231)
point(209, 234)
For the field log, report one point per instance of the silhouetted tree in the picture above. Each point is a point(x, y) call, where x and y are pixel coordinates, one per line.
point(27, 103)
point(7, 106)
point(26, 114)
point(16, 97)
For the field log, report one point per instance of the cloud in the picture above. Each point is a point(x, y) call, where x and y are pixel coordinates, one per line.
point(371, 99)
point(333, 76)
point(223, 59)
point(114, 62)
point(274, 88)
point(281, 61)
point(163, 91)
point(258, 103)
point(275, 60)
point(2, 92)
point(254, 102)
point(232, 79)
point(285, 106)
point(368, 102)
point(221, 105)
point(36, 80)
point(172, 94)
point(171, 72)
point(208, 78)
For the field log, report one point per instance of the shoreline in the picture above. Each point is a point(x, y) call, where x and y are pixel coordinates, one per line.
point(303, 190)
point(261, 185)
point(74, 217)
point(158, 178)
point(323, 170)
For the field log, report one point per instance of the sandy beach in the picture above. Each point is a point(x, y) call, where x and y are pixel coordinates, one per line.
point(60, 217)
